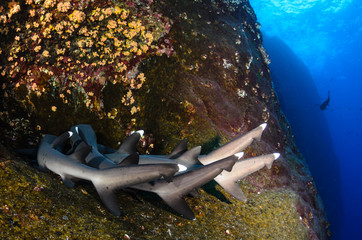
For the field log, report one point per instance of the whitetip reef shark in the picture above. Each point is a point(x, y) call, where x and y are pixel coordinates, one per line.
point(227, 180)
point(110, 169)
point(172, 192)
point(181, 185)
point(84, 132)
point(107, 180)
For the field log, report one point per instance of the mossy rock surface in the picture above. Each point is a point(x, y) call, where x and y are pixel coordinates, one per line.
point(37, 205)
point(214, 87)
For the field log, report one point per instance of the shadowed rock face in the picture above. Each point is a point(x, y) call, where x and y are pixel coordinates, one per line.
point(215, 87)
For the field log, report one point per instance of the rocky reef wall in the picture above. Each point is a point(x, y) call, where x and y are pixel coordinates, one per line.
point(189, 69)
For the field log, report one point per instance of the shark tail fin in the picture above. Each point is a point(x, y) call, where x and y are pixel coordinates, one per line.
point(61, 139)
point(180, 148)
point(129, 145)
point(261, 128)
point(190, 157)
point(109, 199)
point(179, 205)
point(131, 159)
point(232, 188)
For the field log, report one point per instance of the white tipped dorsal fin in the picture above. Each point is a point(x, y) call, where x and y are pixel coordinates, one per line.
point(141, 132)
point(276, 155)
point(239, 155)
point(129, 145)
point(263, 126)
point(61, 139)
point(181, 167)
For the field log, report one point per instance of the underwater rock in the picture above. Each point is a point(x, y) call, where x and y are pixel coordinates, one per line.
point(211, 87)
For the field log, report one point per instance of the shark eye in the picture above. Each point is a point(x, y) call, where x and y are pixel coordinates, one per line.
point(181, 167)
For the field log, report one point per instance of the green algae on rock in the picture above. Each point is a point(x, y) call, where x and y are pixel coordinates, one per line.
point(51, 209)
point(215, 86)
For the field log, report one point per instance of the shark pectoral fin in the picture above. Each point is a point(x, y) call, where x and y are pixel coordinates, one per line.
point(81, 152)
point(129, 145)
point(168, 178)
point(61, 139)
point(109, 199)
point(179, 205)
point(131, 159)
point(180, 148)
point(195, 193)
point(232, 188)
point(67, 181)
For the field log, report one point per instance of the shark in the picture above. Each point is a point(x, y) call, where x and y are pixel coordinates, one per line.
point(83, 132)
point(241, 169)
point(236, 145)
point(173, 192)
point(107, 180)
point(226, 180)
point(182, 183)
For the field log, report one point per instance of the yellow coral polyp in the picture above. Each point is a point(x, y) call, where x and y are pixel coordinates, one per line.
point(124, 14)
point(77, 16)
point(63, 6)
point(107, 37)
point(49, 3)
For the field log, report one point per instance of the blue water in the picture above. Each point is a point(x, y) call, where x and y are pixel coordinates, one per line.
point(315, 46)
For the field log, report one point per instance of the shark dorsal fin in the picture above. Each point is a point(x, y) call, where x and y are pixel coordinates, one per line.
point(61, 139)
point(81, 152)
point(180, 148)
point(129, 145)
point(131, 159)
point(190, 157)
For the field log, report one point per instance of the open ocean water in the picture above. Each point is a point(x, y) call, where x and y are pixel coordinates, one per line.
point(316, 47)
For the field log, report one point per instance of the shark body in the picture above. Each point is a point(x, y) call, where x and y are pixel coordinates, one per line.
point(107, 180)
point(83, 132)
point(172, 192)
point(241, 169)
point(225, 179)
point(181, 185)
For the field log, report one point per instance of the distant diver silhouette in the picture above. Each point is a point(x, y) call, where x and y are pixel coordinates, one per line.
point(324, 105)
